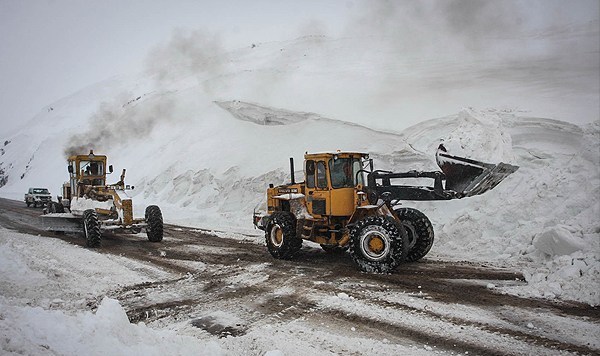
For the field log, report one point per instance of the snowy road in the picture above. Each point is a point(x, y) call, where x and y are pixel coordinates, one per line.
point(226, 287)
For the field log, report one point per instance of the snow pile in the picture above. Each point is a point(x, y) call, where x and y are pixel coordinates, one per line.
point(41, 278)
point(79, 205)
point(263, 115)
point(59, 282)
point(479, 135)
point(36, 331)
point(559, 240)
point(543, 218)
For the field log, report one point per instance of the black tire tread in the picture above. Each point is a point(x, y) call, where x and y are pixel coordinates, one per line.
point(398, 249)
point(423, 229)
point(92, 232)
point(154, 221)
point(291, 242)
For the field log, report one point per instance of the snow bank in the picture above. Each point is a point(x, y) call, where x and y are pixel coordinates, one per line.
point(479, 135)
point(559, 240)
point(543, 218)
point(54, 279)
point(45, 291)
point(37, 331)
point(79, 205)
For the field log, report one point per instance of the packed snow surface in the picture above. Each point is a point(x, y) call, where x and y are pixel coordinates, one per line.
point(44, 309)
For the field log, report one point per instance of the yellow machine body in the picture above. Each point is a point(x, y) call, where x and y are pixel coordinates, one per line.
point(87, 179)
point(329, 199)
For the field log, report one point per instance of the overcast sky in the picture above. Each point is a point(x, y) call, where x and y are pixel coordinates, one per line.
point(50, 49)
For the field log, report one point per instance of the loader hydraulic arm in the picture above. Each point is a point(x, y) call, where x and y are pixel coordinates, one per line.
point(459, 178)
point(380, 186)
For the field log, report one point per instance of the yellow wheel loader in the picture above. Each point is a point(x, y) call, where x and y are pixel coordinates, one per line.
point(344, 204)
point(90, 205)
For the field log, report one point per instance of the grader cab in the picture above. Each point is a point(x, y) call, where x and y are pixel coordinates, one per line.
point(90, 204)
point(344, 204)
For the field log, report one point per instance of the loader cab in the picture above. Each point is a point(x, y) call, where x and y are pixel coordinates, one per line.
point(332, 182)
point(86, 170)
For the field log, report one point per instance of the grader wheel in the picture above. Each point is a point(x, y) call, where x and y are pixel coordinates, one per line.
point(91, 228)
point(154, 221)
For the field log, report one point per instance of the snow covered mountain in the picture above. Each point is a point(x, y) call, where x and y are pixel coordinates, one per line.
point(202, 134)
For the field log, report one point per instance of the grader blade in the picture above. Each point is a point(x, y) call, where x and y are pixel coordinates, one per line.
point(468, 177)
point(61, 222)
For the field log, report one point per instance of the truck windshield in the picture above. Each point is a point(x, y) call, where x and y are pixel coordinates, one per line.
point(92, 168)
point(343, 172)
point(40, 191)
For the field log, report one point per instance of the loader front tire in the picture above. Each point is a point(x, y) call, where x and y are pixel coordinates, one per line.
point(419, 230)
point(378, 244)
point(154, 223)
point(280, 235)
point(91, 228)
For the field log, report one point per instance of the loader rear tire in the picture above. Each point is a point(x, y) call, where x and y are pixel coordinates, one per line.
point(154, 223)
point(378, 244)
point(280, 235)
point(419, 230)
point(91, 228)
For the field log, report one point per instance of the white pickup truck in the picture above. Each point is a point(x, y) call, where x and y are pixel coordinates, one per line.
point(37, 196)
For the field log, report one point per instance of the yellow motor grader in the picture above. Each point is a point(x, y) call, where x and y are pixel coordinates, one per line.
point(90, 204)
point(344, 204)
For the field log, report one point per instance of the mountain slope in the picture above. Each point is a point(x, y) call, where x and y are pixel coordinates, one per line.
point(203, 141)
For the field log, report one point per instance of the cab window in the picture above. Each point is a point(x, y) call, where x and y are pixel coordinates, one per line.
point(310, 174)
point(341, 173)
point(92, 168)
point(358, 177)
point(321, 175)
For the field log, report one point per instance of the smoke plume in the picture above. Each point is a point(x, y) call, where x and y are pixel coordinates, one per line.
point(113, 125)
point(133, 116)
point(186, 53)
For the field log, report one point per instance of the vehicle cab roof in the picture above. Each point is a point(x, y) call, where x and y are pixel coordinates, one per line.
point(91, 157)
point(338, 154)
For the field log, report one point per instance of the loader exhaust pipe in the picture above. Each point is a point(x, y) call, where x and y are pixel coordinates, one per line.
point(292, 170)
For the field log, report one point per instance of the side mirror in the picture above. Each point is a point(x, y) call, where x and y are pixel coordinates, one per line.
point(70, 169)
point(110, 169)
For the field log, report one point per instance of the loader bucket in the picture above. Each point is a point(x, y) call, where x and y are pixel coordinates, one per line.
point(468, 177)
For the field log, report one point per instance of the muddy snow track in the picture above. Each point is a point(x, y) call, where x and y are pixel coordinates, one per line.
point(446, 306)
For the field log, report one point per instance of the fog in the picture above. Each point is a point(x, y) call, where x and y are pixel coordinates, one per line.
point(54, 48)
